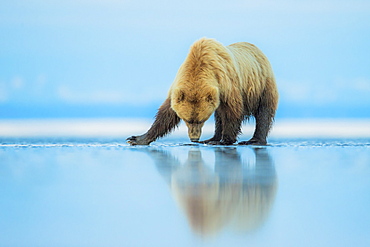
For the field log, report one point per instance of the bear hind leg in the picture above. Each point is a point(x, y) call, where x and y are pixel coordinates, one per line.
point(264, 119)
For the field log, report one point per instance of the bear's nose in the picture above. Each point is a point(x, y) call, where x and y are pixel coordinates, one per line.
point(194, 131)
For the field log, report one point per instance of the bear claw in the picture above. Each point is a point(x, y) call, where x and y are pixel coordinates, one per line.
point(131, 140)
point(137, 140)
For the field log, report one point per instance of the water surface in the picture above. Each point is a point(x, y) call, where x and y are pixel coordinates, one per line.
point(103, 192)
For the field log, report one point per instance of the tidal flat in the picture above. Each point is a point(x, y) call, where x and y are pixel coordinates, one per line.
point(103, 192)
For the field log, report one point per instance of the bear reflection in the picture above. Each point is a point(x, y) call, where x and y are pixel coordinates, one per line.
point(232, 193)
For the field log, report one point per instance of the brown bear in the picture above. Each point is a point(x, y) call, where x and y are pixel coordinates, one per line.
point(234, 82)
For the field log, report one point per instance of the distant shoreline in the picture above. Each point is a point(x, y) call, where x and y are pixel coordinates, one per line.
point(121, 127)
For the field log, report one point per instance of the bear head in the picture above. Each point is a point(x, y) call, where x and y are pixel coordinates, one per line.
point(195, 105)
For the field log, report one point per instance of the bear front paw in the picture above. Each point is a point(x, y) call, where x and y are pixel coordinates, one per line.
point(223, 143)
point(138, 140)
point(210, 141)
point(213, 143)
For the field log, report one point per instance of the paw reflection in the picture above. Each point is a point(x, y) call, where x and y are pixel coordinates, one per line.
point(230, 192)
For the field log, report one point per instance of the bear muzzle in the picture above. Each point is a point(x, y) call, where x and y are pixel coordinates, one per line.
point(194, 131)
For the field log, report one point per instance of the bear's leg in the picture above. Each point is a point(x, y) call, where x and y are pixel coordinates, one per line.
point(264, 118)
point(231, 129)
point(166, 120)
point(230, 125)
point(218, 130)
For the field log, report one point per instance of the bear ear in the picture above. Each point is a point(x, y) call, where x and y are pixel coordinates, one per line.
point(180, 96)
point(209, 98)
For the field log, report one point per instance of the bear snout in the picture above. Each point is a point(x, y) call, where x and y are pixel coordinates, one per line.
point(194, 131)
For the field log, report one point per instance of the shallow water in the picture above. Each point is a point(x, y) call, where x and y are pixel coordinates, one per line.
point(89, 192)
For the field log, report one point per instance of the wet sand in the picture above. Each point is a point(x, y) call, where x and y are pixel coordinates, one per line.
point(103, 192)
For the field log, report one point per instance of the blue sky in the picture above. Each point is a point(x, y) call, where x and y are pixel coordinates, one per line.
point(111, 58)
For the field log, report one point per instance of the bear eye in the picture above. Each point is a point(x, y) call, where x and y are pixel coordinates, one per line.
point(194, 122)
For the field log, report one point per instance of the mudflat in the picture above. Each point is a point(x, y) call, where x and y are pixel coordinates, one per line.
point(103, 192)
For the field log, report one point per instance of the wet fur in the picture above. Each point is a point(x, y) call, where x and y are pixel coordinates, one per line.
point(233, 82)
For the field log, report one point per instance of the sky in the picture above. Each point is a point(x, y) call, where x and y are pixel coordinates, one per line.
point(112, 58)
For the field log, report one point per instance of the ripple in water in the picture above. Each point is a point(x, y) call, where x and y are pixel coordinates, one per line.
point(121, 143)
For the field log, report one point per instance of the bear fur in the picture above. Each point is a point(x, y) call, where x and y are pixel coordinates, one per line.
point(232, 82)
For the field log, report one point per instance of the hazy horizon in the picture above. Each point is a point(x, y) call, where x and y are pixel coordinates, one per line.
point(118, 58)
